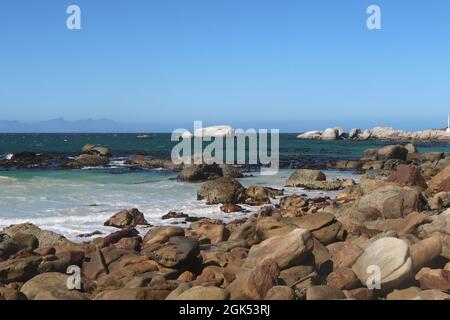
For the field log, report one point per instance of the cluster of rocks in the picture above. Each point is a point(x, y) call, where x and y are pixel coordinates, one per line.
point(381, 238)
point(31, 160)
point(377, 133)
point(390, 158)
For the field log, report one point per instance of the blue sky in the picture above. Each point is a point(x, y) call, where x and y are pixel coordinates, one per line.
point(291, 64)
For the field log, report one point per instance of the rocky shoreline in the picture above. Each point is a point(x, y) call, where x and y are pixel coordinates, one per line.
point(377, 133)
point(395, 220)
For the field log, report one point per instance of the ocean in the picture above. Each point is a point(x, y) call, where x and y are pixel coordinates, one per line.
point(74, 202)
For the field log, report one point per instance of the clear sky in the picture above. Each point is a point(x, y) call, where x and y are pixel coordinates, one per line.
point(293, 64)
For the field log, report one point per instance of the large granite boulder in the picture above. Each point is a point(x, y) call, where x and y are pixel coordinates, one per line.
point(222, 190)
point(286, 250)
point(50, 286)
point(408, 175)
point(46, 238)
point(177, 252)
point(393, 201)
point(392, 257)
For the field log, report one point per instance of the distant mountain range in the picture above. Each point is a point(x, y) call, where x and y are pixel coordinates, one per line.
point(60, 125)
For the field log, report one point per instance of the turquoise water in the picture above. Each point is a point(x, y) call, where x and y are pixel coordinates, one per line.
point(125, 144)
point(76, 202)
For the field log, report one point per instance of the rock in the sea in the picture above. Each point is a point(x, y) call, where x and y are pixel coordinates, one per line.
point(305, 176)
point(88, 160)
point(230, 208)
point(310, 135)
point(411, 148)
point(229, 171)
point(127, 218)
point(312, 179)
point(330, 134)
point(196, 172)
point(50, 286)
point(408, 175)
point(354, 133)
point(142, 161)
point(222, 190)
point(392, 152)
point(392, 257)
point(286, 250)
point(255, 283)
point(174, 215)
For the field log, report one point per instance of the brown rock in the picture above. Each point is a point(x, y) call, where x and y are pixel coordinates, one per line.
point(254, 284)
point(214, 232)
point(412, 221)
point(19, 269)
point(161, 235)
point(178, 251)
point(343, 279)
point(11, 294)
point(230, 208)
point(434, 279)
point(360, 294)
point(424, 252)
point(50, 286)
point(222, 190)
point(186, 276)
point(286, 250)
point(324, 293)
point(392, 152)
point(127, 218)
point(441, 181)
point(439, 201)
point(408, 175)
point(204, 293)
point(393, 201)
point(133, 294)
point(268, 227)
point(280, 293)
point(405, 294)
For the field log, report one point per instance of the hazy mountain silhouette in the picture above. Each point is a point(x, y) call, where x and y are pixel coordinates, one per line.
point(60, 125)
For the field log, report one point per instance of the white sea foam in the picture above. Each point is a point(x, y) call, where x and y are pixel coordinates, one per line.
point(82, 202)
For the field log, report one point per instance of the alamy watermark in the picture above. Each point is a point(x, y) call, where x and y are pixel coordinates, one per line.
point(374, 20)
point(227, 146)
point(73, 21)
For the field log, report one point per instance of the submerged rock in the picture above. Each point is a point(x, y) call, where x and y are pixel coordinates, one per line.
point(222, 190)
point(126, 218)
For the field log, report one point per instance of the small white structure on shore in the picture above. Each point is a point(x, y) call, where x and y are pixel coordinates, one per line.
point(448, 124)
